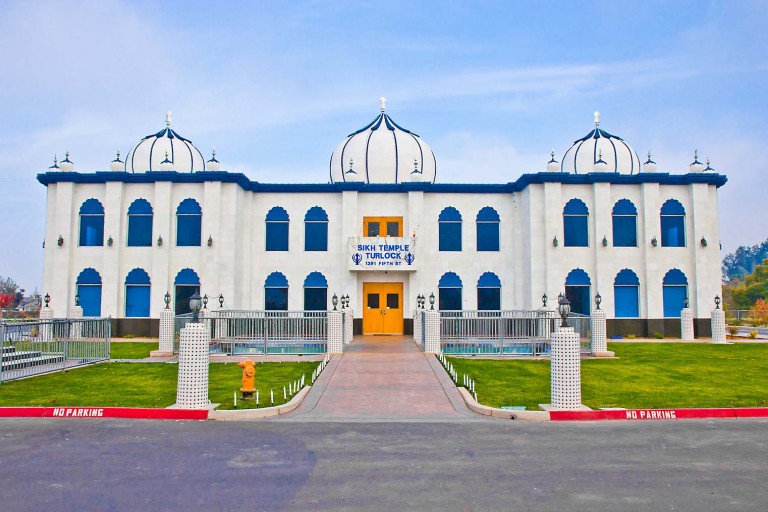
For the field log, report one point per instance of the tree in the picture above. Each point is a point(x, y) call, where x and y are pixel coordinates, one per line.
point(754, 287)
point(761, 312)
point(8, 285)
point(5, 300)
point(743, 261)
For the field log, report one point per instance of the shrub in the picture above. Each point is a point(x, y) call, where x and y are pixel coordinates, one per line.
point(753, 334)
point(129, 335)
point(631, 336)
point(760, 313)
point(732, 330)
point(658, 335)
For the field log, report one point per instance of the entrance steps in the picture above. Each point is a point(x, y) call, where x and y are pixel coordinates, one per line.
point(14, 359)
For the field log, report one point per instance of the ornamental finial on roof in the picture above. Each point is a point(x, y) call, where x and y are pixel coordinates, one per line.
point(168, 119)
point(597, 118)
point(382, 103)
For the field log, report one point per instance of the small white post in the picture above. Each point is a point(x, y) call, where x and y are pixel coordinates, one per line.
point(686, 325)
point(718, 326)
point(432, 331)
point(166, 333)
point(335, 332)
point(76, 314)
point(46, 327)
point(194, 347)
point(566, 369)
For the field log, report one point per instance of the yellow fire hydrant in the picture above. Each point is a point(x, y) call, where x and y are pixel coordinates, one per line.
point(249, 374)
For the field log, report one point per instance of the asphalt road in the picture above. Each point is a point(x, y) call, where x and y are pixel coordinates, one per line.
point(113, 465)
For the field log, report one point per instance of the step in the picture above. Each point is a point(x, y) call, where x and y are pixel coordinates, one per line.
point(26, 363)
point(24, 354)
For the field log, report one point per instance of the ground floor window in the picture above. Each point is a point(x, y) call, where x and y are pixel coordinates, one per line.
point(449, 291)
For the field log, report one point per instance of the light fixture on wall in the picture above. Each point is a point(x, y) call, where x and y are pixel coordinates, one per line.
point(686, 302)
point(347, 300)
point(654, 242)
point(703, 242)
point(159, 241)
point(205, 301)
point(221, 301)
point(544, 300)
point(43, 244)
point(47, 299)
point(605, 241)
point(717, 302)
point(432, 301)
point(61, 241)
point(77, 299)
point(210, 240)
point(167, 299)
point(110, 241)
point(564, 308)
point(555, 243)
point(334, 301)
point(598, 300)
point(194, 304)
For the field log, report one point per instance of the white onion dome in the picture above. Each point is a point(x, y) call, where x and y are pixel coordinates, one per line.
point(709, 168)
point(150, 152)
point(696, 166)
point(553, 165)
point(384, 152)
point(55, 167)
point(649, 165)
point(213, 164)
point(618, 156)
point(117, 164)
point(66, 164)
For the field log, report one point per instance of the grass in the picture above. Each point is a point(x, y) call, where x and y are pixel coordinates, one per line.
point(643, 375)
point(145, 385)
point(131, 349)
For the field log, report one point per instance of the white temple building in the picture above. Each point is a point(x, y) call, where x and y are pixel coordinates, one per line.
point(383, 230)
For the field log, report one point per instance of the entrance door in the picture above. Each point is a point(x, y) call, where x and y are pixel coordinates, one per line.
point(382, 308)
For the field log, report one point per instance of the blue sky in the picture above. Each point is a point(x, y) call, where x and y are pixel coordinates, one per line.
point(274, 86)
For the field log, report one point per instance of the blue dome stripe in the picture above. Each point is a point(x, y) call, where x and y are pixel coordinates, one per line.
point(151, 149)
point(277, 214)
point(314, 280)
point(276, 280)
point(137, 276)
point(367, 145)
point(88, 276)
point(675, 277)
point(421, 152)
point(187, 276)
point(369, 125)
point(450, 280)
point(577, 277)
point(632, 156)
point(626, 277)
point(397, 160)
point(343, 149)
point(489, 280)
point(615, 157)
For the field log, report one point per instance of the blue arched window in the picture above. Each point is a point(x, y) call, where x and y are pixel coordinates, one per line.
point(577, 285)
point(277, 229)
point(675, 288)
point(315, 292)
point(189, 223)
point(137, 288)
point(140, 224)
point(576, 224)
point(276, 292)
point(489, 292)
point(316, 230)
point(449, 234)
point(449, 291)
point(89, 292)
point(91, 223)
point(186, 284)
point(626, 293)
point(487, 229)
point(624, 224)
point(672, 224)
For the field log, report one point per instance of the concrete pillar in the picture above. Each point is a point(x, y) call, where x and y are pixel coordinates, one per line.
point(335, 332)
point(192, 388)
point(221, 329)
point(76, 327)
point(166, 333)
point(432, 331)
point(686, 324)
point(417, 333)
point(566, 369)
point(46, 326)
point(545, 322)
point(349, 319)
point(718, 326)
point(598, 334)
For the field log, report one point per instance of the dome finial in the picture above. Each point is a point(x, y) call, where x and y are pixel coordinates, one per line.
point(597, 118)
point(213, 164)
point(382, 103)
point(168, 119)
point(553, 165)
point(117, 164)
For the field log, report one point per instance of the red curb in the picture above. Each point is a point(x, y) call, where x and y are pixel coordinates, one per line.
point(104, 412)
point(659, 414)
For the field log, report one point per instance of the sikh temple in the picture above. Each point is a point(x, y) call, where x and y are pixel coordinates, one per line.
point(381, 227)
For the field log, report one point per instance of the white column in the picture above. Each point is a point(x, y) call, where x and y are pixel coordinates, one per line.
point(598, 334)
point(349, 319)
point(545, 323)
point(417, 335)
point(335, 332)
point(166, 331)
point(192, 388)
point(566, 369)
point(76, 313)
point(46, 327)
point(718, 326)
point(222, 330)
point(432, 332)
point(686, 325)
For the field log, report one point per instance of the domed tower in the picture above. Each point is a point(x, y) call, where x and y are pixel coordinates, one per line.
point(599, 151)
point(155, 152)
point(383, 152)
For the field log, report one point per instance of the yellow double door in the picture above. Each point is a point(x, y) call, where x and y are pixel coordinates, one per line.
point(382, 308)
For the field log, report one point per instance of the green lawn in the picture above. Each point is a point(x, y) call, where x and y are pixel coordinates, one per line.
point(643, 375)
point(131, 349)
point(146, 385)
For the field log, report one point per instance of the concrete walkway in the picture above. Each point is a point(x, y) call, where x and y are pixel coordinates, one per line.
point(383, 379)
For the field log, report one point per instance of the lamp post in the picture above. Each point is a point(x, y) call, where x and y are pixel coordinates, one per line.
point(77, 299)
point(717, 302)
point(432, 301)
point(564, 308)
point(221, 300)
point(544, 300)
point(47, 299)
point(195, 302)
point(347, 301)
point(167, 299)
point(334, 301)
point(205, 301)
point(598, 300)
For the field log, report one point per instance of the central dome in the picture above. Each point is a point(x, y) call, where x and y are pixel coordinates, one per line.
point(599, 151)
point(165, 150)
point(383, 152)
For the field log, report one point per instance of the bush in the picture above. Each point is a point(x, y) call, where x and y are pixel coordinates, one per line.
point(129, 335)
point(733, 330)
point(658, 335)
point(753, 334)
point(631, 336)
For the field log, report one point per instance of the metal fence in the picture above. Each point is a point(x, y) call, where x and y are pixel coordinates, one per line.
point(505, 333)
point(263, 332)
point(749, 316)
point(33, 347)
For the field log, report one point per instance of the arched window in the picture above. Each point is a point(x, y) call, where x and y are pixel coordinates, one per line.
point(487, 229)
point(449, 229)
point(489, 292)
point(672, 224)
point(91, 223)
point(140, 224)
point(89, 292)
point(277, 229)
point(186, 284)
point(316, 230)
point(626, 288)
point(276, 292)
point(449, 291)
point(624, 224)
point(137, 288)
point(675, 288)
point(315, 292)
point(575, 224)
point(189, 223)
point(577, 285)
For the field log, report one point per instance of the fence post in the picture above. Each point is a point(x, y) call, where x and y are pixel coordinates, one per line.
point(599, 345)
point(718, 326)
point(46, 325)
point(686, 325)
point(167, 334)
point(192, 387)
point(432, 331)
point(566, 369)
point(75, 326)
point(335, 332)
point(417, 327)
point(349, 319)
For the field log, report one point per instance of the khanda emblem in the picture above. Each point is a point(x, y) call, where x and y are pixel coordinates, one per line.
point(357, 258)
point(409, 258)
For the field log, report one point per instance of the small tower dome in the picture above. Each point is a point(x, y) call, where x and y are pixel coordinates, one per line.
point(649, 165)
point(67, 164)
point(600, 164)
point(55, 167)
point(553, 165)
point(117, 164)
point(213, 164)
point(696, 166)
